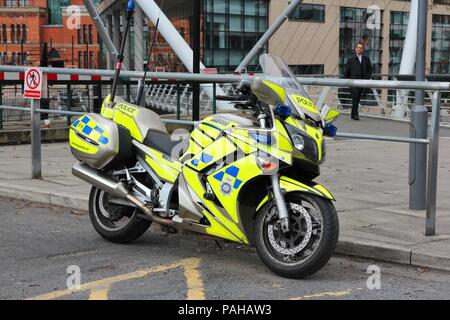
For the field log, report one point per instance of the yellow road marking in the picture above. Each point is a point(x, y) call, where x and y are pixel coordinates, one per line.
point(194, 281)
point(99, 293)
point(327, 294)
point(99, 288)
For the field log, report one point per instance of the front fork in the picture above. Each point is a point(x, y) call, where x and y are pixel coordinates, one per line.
point(283, 214)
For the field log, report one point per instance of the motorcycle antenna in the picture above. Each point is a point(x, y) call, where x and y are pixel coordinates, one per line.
point(120, 57)
point(142, 82)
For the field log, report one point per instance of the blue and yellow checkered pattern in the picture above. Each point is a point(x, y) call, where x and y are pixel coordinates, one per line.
point(230, 171)
point(90, 128)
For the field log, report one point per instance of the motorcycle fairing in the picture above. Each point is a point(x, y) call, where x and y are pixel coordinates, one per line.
point(166, 168)
point(275, 143)
point(221, 224)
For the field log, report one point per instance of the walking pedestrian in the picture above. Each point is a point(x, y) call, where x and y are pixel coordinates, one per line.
point(358, 66)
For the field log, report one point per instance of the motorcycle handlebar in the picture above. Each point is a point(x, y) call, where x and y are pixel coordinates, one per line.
point(231, 98)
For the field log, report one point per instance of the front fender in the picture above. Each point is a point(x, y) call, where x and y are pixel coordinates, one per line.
point(291, 185)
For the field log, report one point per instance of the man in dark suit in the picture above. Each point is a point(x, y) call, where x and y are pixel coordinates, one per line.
point(357, 67)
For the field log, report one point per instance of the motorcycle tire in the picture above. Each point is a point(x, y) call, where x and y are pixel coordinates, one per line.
point(134, 227)
point(282, 260)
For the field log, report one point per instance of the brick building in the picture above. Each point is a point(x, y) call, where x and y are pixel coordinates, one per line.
point(47, 32)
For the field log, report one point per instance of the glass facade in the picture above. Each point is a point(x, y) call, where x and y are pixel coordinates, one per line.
point(54, 11)
point(354, 28)
point(307, 68)
point(397, 35)
point(308, 12)
point(229, 29)
point(440, 45)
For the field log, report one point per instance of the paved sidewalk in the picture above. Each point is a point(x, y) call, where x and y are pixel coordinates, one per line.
point(368, 179)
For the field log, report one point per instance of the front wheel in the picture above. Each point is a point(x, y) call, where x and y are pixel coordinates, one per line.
point(114, 222)
point(307, 247)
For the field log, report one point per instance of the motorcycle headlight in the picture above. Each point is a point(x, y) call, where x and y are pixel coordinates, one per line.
point(303, 143)
point(298, 141)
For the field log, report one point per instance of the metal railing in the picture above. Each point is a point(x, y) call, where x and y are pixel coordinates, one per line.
point(433, 141)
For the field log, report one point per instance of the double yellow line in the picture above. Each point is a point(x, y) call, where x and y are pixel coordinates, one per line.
point(99, 289)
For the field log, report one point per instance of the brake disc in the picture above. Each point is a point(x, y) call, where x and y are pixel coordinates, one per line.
point(281, 244)
point(112, 212)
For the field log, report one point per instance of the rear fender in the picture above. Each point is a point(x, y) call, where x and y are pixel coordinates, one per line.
point(291, 185)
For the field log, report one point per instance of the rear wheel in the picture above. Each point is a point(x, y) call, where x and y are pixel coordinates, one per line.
point(307, 247)
point(114, 222)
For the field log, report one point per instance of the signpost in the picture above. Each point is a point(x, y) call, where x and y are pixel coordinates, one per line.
point(35, 88)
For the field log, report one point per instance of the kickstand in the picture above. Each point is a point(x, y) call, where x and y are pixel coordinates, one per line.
point(218, 244)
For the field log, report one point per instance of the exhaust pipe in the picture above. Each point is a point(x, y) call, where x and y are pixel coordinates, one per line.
point(113, 187)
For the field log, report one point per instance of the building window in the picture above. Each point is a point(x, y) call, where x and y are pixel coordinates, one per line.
point(231, 29)
point(440, 45)
point(13, 34)
point(353, 28)
point(79, 36)
point(13, 58)
point(24, 3)
point(308, 12)
point(24, 33)
point(307, 68)
point(86, 66)
point(91, 60)
point(85, 38)
point(4, 34)
point(5, 58)
point(18, 33)
point(80, 57)
point(397, 34)
point(55, 11)
point(91, 39)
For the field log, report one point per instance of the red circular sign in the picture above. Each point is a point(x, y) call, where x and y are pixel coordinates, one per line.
point(33, 78)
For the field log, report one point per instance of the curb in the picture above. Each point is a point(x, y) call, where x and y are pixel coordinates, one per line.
point(73, 201)
point(347, 245)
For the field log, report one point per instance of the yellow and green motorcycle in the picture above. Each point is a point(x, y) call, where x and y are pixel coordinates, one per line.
point(246, 177)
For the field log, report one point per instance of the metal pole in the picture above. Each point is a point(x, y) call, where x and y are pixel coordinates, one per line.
point(1, 110)
point(21, 52)
point(430, 224)
point(36, 164)
point(178, 101)
point(73, 50)
point(266, 36)
point(196, 59)
point(419, 117)
point(214, 99)
point(69, 103)
point(102, 31)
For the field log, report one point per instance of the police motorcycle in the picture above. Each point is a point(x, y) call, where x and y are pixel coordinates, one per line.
point(246, 178)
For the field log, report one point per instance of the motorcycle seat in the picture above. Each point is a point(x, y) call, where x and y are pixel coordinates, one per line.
point(162, 142)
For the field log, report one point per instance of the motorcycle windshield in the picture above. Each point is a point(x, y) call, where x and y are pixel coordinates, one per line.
point(277, 71)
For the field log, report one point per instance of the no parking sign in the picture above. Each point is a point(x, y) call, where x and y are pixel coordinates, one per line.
point(35, 84)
